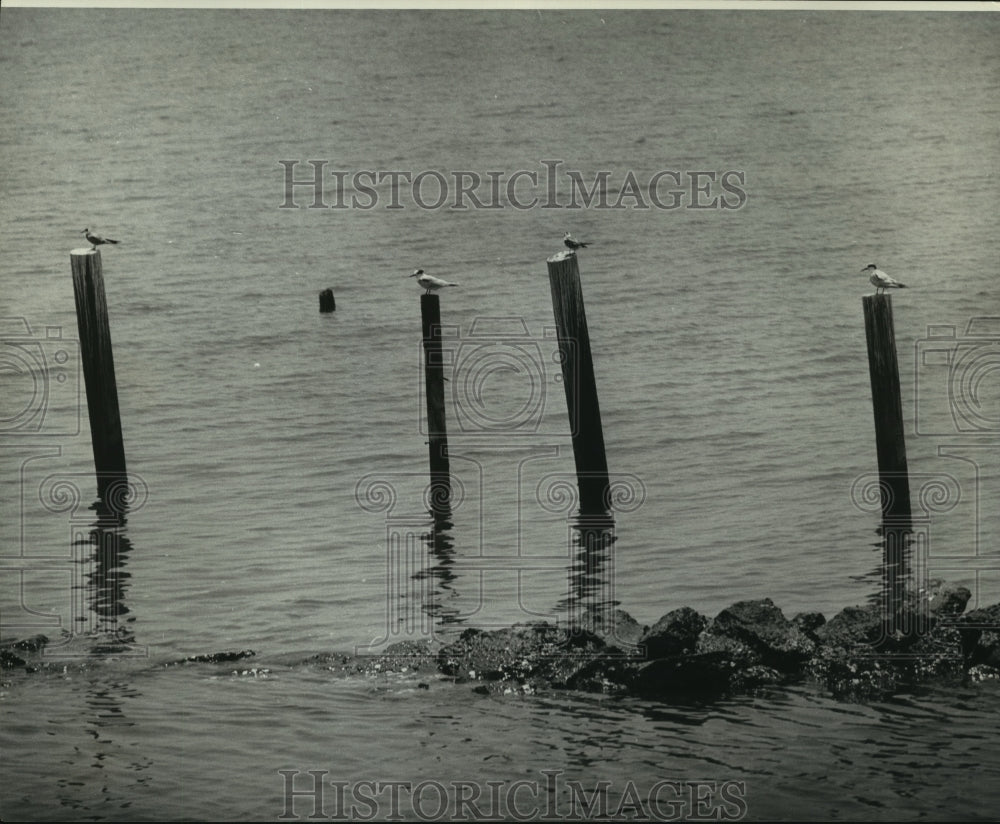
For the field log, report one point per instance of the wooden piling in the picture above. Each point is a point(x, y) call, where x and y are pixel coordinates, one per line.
point(891, 449)
point(437, 432)
point(326, 301)
point(579, 382)
point(98, 368)
point(887, 405)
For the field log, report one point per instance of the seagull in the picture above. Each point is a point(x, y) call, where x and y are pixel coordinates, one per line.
point(429, 282)
point(96, 240)
point(880, 280)
point(573, 244)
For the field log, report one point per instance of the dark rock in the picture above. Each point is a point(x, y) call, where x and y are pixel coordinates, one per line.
point(675, 633)
point(945, 598)
point(512, 653)
point(983, 672)
point(980, 633)
point(699, 675)
point(860, 663)
point(9, 658)
point(527, 658)
point(987, 618)
point(221, 657)
point(407, 649)
point(987, 649)
point(867, 672)
point(614, 628)
point(754, 677)
point(762, 627)
point(852, 626)
point(602, 673)
point(33, 644)
point(404, 656)
point(935, 654)
point(738, 654)
point(809, 622)
point(861, 679)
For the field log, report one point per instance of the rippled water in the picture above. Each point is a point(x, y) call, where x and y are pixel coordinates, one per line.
point(728, 348)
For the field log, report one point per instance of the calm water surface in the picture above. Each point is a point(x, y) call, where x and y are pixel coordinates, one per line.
point(280, 452)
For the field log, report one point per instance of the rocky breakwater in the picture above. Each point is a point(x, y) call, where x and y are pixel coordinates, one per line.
point(751, 644)
point(684, 656)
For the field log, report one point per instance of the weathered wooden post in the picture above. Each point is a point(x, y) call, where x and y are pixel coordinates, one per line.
point(891, 448)
point(98, 368)
point(579, 382)
point(326, 301)
point(437, 432)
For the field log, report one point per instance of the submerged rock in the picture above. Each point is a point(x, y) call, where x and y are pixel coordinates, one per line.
point(699, 674)
point(10, 654)
point(405, 658)
point(538, 654)
point(220, 657)
point(33, 644)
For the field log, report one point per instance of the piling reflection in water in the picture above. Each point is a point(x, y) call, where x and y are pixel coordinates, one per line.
point(102, 581)
point(437, 578)
point(431, 585)
point(591, 578)
point(100, 621)
point(590, 600)
point(901, 578)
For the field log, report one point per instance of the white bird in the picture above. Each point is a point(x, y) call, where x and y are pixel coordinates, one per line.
point(880, 280)
point(572, 243)
point(429, 282)
point(96, 240)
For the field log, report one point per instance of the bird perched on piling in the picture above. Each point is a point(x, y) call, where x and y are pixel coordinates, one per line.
point(572, 243)
point(96, 240)
point(429, 282)
point(880, 280)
